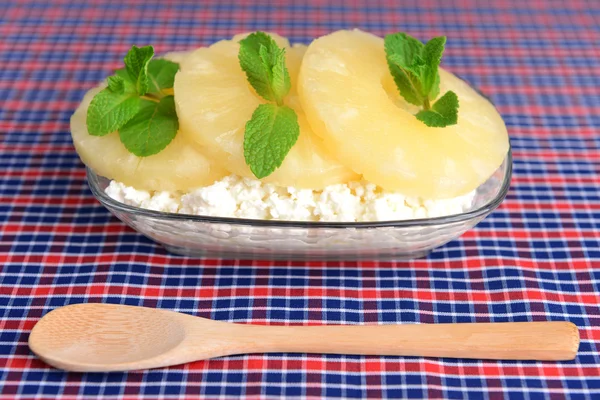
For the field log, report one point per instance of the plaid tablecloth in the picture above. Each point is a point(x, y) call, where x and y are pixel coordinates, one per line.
point(536, 258)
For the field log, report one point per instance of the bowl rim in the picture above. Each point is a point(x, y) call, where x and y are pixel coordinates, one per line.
point(491, 205)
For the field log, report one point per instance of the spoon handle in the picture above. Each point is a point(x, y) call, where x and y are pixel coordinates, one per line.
point(499, 341)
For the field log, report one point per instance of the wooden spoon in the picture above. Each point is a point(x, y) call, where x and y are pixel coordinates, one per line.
point(108, 337)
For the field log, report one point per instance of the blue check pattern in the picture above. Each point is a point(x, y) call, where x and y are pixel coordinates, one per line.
point(536, 258)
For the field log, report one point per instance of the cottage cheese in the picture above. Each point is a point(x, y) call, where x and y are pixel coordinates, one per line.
point(238, 197)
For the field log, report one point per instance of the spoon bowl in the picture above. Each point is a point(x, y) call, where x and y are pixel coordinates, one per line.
point(110, 337)
point(93, 336)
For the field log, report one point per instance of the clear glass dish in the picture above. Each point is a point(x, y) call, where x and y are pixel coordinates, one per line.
point(203, 236)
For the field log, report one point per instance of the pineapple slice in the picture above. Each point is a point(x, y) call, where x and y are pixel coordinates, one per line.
point(351, 101)
point(214, 101)
point(178, 167)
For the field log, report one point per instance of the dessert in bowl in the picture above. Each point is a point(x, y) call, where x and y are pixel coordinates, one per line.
point(351, 147)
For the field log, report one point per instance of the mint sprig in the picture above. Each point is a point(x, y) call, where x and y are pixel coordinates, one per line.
point(414, 67)
point(273, 129)
point(136, 103)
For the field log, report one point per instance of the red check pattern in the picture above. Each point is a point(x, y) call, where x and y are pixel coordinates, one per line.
point(536, 258)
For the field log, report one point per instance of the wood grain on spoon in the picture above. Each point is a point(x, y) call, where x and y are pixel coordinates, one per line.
point(107, 337)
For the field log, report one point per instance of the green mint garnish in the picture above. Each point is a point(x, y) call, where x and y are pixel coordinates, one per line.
point(135, 104)
point(443, 113)
point(161, 75)
point(152, 128)
point(414, 67)
point(136, 64)
point(269, 136)
point(273, 129)
point(110, 110)
point(264, 64)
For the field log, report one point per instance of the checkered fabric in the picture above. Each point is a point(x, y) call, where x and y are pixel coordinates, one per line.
point(536, 258)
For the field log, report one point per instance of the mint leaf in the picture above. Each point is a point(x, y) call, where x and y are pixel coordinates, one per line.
point(432, 55)
point(269, 136)
point(152, 128)
point(404, 46)
point(136, 63)
point(403, 54)
point(116, 84)
point(264, 64)
point(109, 111)
point(407, 78)
point(281, 77)
point(161, 75)
point(443, 113)
point(255, 66)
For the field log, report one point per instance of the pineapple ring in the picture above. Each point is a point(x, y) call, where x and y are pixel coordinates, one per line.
point(214, 101)
point(351, 101)
point(178, 167)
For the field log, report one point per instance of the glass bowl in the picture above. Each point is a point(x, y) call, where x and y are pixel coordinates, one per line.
point(203, 236)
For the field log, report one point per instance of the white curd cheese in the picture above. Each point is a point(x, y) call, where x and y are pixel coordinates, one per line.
point(238, 197)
